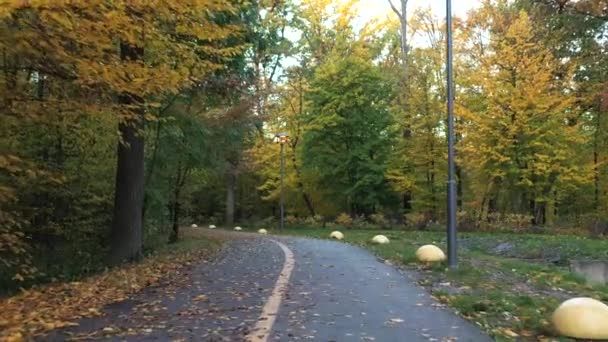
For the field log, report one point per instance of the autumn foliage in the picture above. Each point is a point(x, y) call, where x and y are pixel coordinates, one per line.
point(122, 121)
point(72, 72)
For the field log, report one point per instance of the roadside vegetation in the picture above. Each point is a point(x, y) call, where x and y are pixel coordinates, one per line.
point(123, 121)
point(507, 283)
point(40, 309)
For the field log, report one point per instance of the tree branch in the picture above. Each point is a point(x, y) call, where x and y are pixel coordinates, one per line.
point(395, 9)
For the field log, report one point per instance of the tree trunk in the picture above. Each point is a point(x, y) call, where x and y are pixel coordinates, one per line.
point(230, 188)
point(403, 29)
point(539, 213)
point(174, 236)
point(176, 212)
point(407, 202)
point(305, 196)
point(126, 231)
point(403, 21)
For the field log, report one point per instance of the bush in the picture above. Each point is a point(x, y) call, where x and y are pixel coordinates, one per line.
point(379, 220)
point(313, 220)
point(466, 221)
point(417, 220)
point(291, 220)
point(517, 222)
point(361, 223)
point(344, 220)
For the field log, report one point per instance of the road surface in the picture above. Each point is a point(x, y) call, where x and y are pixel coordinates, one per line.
point(320, 290)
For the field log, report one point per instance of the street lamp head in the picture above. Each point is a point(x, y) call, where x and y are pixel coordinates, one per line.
point(281, 138)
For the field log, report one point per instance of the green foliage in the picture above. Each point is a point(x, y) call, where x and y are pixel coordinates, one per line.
point(349, 132)
point(61, 74)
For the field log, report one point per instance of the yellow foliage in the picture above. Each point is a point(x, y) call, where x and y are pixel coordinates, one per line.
point(344, 219)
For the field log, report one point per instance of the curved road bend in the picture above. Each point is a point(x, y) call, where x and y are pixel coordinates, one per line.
point(335, 292)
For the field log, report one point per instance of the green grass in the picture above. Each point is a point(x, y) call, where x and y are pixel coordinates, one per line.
point(508, 294)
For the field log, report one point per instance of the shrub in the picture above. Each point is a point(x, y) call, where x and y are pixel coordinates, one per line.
point(417, 220)
point(466, 221)
point(379, 220)
point(313, 220)
point(361, 223)
point(310, 221)
point(517, 222)
point(290, 219)
point(344, 220)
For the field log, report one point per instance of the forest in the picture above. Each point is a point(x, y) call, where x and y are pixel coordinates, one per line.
point(122, 121)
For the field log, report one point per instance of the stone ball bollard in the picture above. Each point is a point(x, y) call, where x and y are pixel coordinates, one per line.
point(430, 253)
point(582, 318)
point(380, 239)
point(336, 235)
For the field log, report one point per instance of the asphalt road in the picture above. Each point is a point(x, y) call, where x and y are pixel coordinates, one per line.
point(336, 292)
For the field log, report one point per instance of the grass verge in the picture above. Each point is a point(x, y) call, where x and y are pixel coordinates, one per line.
point(510, 295)
point(35, 311)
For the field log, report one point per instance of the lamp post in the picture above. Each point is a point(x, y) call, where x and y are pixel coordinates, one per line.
point(281, 138)
point(451, 200)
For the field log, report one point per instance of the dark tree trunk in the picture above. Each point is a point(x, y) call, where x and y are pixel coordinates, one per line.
point(407, 201)
point(150, 168)
point(309, 206)
point(230, 189)
point(305, 196)
point(126, 232)
point(174, 236)
point(539, 213)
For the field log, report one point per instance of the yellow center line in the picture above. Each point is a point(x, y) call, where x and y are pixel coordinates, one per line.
point(262, 329)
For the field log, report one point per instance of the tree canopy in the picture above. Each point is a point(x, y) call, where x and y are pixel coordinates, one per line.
point(124, 120)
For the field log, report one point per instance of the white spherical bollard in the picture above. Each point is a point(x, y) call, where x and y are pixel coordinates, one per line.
point(582, 318)
point(380, 239)
point(262, 231)
point(430, 253)
point(211, 226)
point(238, 229)
point(193, 226)
point(336, 235)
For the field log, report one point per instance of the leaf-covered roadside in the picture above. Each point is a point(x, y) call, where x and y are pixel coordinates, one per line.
point(36, 311)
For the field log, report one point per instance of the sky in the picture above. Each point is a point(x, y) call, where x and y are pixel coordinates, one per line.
point(370, 9)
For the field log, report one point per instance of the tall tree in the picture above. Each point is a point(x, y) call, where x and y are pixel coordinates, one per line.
point(92, 53)
point(520, 142)
point(348, 132)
